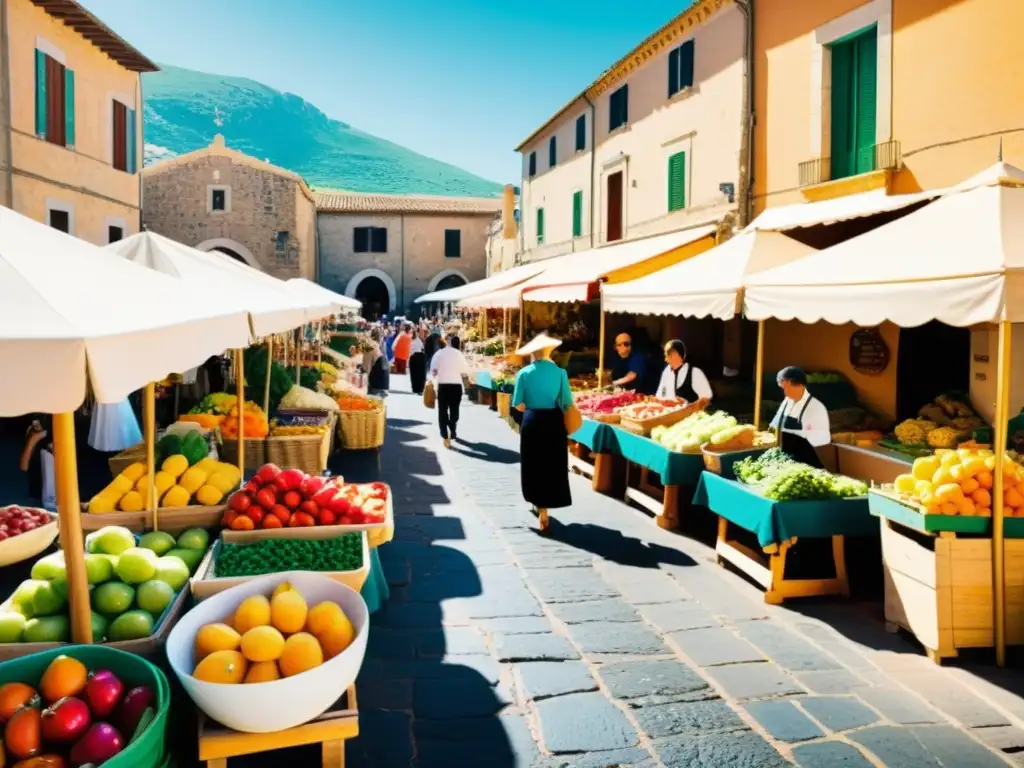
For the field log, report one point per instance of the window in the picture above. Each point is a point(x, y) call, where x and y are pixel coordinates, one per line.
point(677, 182)
point(853, 102)
point(370, 240)
point(680, 68)
point(618, 108)
point(114, 233)
point(581, 133)
point(281, 241)
point(613, 211)
point(452, 243)
point(540, 226)
point(552, 152)
point(123, 155)
point(55, 101)
point(218, 200)
point(59, 219)
point(577, 213)
point(533, 164)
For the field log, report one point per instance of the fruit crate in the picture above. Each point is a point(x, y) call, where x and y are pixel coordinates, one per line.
point(205, 583)
point(171, 519)
point(148, 750)
point(644, 426)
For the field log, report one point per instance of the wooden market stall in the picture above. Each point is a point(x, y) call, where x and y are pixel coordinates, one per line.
point(958, 260)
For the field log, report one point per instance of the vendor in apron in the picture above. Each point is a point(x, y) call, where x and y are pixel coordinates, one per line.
point(680, 379)
point(802, 422)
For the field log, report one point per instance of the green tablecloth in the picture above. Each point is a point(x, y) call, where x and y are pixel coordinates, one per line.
point(484, 380)
point(672, 467)
point(375, 591)
point(595, 435)
point(776, 521)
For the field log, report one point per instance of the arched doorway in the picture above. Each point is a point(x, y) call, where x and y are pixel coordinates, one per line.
point(450, 281)
point(232, 248)
point(234, 255)
point(375, 297)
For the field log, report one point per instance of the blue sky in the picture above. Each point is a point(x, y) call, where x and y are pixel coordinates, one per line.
point(460, 80)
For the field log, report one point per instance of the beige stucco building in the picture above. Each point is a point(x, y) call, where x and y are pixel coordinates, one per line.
point(653, 146)
point(71, 118)
point(388, 249)
point(217, 198)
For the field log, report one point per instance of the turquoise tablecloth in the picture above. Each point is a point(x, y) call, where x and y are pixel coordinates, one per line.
point(484, 380)
point(776, 521)
point(595, 435)
point(673, 468)
point(375, 591)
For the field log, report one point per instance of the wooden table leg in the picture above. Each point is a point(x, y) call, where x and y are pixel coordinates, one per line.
point(839, 557)
point(669, 517)
point(333, 754)
point(220, 762)
point(602, 472)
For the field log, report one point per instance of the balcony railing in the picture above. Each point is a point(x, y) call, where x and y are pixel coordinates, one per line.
point(884, 156)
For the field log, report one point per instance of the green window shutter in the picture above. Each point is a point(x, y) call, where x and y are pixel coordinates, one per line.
point(677, 182)
point(842, 110)
point(40, 94)
point(577, 213)
point(69, 108)
point(540, 225)
point(866, 100)
point(132, 141)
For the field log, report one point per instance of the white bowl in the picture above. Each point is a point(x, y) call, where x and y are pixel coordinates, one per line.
point(28, 544)
point(279, 704)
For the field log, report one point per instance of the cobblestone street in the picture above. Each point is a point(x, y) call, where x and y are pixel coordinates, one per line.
point(612, 642)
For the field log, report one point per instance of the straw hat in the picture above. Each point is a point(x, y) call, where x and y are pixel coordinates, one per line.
point(539, 342)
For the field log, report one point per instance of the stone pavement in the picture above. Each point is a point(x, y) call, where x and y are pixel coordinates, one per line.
point(612, 642)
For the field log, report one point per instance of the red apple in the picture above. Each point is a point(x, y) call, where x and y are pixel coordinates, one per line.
point(65, 720)
point(239, 501)
point(290, 479)
point(292, 499)
point(266, 498)
point(326, 517)
point(252, 487)
point(268, 472)
point(311, 485)
point(282, 513)
point(310, 508)
point(103, 692)
point(134, 705)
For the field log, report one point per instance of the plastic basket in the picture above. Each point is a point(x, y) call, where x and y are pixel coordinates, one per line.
point(148, 750)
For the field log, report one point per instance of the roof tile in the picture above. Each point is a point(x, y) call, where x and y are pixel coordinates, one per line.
point(334, 201)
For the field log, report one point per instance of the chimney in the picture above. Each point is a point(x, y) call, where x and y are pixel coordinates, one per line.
point(508, 208)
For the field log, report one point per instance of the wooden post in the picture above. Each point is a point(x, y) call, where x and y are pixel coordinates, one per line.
point(999, 446)
point(522, 321)
point(240, 394)
point(600, 345)
point(266, 384)
point(504, 330)
point(149, 417)
point(758, 374)
point(298, 354)
point(65, 465)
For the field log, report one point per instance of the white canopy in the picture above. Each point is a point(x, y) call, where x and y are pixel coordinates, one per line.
point(707, 285)
point(495, 282)
point(66, 304)
point(316, 293)
point(271, 304)
point(959, 260)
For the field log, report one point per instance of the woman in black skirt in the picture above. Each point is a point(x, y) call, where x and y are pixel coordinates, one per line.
point(418, 362)
point(542, 395)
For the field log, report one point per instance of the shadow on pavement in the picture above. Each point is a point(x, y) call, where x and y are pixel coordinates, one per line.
point(486, 452)
point(612, 545)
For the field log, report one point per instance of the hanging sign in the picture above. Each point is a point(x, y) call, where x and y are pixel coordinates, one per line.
point(869, 354)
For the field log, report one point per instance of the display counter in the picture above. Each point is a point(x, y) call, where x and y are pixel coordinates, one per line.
point(779, 526)
point(590, 453)
point(872, 464)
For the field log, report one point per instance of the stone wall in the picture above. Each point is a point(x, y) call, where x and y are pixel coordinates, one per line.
point(260, 204)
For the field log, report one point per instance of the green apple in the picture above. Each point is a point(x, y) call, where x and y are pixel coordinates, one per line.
point(50, 567)
point(190, 557)
point(154, 596)
point(12, 626)
point(172, 571)
point(194, 538)
point(133, 625)
point(136, 565)
point(160, 542)
point(98, 568)
point(113, 540)
point(47, 629)
point(48, 600)
point(112, 598)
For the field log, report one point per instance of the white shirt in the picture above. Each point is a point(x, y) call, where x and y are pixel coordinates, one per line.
point(416, 346)
point(672, 380)
point(816, 426)
point(448, 366)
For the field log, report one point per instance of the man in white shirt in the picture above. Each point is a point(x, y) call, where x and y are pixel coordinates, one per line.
point(447, 369)
point(680, 379)
point(802, 420)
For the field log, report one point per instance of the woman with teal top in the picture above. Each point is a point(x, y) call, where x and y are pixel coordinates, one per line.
point(542, 395)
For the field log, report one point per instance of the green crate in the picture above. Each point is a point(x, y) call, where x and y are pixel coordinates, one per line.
point(147, 751)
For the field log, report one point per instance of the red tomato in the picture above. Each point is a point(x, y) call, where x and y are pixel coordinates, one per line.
point(281, 512)
point(271, 521)
point(326, 517)
point(256, 514)
point(239, 501)
point(266, 498)
point(292, 499)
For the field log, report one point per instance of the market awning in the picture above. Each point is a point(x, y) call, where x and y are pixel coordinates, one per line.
point(959, 260)
point(271, 304)
point(504, 299)
point(69, 309)
point(495, 282)
point(314, 292)
point(800, 215)
point(708, 285)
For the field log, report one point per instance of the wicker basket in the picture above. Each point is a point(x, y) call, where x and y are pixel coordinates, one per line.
point(125, 458)
point(297, 452)
point(359, 430)
point(255, 452)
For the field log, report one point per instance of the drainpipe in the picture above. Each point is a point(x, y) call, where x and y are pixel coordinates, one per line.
point(593, 161)
point(5, 84)
point(746, 202)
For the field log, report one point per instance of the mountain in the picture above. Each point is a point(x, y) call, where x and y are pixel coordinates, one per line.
point(184, 109)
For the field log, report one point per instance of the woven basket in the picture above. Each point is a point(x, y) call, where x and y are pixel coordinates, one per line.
point(255, 452)
point(303, 452)
point(359, 430)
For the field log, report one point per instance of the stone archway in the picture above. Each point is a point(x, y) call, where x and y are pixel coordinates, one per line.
point(231, 248)
point(379, 274)
point(451, 278)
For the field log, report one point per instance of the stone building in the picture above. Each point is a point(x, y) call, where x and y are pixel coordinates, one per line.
point(218, 198)
point(388, 249)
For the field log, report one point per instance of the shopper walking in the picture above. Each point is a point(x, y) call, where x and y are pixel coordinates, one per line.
point(401, 349)
point(447, 368)
point(418, 362)
point(542, 395)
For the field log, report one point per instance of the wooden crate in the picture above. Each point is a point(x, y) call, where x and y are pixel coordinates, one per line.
point(940, 589)
point(172, 520)
point(644, 426)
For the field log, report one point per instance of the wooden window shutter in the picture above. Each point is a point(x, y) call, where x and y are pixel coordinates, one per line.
point(673, 72)
point(378, 240)
point(41, 94)
point(841, 144)
point(540, 225)
point(866, 100)
point(69, 108)
point(677, 182)
point(577, 213)
point(686, 64)
point(361, 239)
